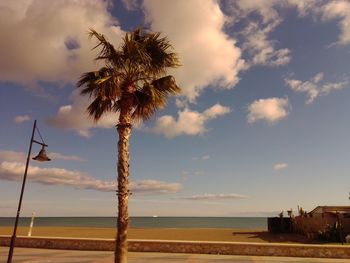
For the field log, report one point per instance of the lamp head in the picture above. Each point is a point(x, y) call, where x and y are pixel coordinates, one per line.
point(42, 156)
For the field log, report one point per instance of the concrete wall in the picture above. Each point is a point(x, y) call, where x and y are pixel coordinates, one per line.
point(224, 248)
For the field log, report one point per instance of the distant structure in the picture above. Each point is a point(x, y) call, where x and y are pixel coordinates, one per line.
point(31, 225)
point(332, 221)
point(331, 211)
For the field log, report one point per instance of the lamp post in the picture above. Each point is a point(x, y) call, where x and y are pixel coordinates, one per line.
point(42, 157)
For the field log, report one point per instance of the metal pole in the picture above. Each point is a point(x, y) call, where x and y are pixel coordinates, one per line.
point(13, 238)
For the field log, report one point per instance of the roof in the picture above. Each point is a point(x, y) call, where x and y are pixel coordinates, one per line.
point(330, 209)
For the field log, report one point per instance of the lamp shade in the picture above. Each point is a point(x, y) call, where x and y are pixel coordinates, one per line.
point(42, 156)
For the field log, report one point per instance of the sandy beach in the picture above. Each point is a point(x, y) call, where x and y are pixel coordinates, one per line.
point(198, 234)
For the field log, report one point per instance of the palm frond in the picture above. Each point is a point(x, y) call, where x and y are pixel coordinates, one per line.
point(133, 50)
point(153, 96)
point(146, 105)
point(116, 106)
point(98, 107)
point(85, 79)
point(108, 52)
point(161, 53)
point(102, 85)
point(103, 82)
point(149, 52)
point(166, 85)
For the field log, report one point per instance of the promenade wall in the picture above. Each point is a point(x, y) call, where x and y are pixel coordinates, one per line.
point(195, 247)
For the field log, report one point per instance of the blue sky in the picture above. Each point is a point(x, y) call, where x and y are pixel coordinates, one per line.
point(261, 125)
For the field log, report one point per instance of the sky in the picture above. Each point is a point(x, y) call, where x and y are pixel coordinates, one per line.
point(261, 125)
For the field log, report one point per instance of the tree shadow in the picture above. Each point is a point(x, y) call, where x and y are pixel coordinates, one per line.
point(265, 236)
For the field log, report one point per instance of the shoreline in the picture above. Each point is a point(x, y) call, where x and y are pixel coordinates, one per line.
point(258, 235)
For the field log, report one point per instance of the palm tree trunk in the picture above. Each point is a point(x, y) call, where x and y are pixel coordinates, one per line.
point(124, 131)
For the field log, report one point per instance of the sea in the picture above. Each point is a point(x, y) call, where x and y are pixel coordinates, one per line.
point(144, 222)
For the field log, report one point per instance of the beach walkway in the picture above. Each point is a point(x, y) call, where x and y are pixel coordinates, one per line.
point(22, 255)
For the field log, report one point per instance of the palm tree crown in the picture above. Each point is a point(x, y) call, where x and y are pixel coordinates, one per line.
point(138, 67)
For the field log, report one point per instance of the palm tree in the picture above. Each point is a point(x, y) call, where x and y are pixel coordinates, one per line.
point(133, 83)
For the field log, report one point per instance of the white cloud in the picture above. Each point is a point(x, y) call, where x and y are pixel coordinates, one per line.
point(59, 156)
point(318, 77)
point(271, 110)
point(313, 87)
point(21, 118)
point(13, 171)
point(7, 206)
point(13, 156)
point(261, 17)
point(131, 4)
point(280, 166)
point(154, 187)
point(209, 56)
point(47, 40)
point(255, 35)
point(304, 7)
point(189, 122)
point(339, 10)
point(181, 103)
point(74, 117)
point(216, 111)
point(329, 87)
point(328, 10)
point(261, 49)
point(193, 173)
point(204, 157)
point(268, 10)
point(215, 197)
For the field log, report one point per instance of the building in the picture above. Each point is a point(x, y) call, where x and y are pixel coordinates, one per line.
point(331, 211)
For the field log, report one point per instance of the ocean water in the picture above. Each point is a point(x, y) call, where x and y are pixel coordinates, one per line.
point(144, 222)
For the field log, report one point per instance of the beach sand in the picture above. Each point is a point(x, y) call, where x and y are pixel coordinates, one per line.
point(197, 234)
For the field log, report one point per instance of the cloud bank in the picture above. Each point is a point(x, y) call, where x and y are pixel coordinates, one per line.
point(55, 34)
point(13, 171)
point(13, 156)
point(215, 197)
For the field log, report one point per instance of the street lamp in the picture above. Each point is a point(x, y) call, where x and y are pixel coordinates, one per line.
point(41, 157)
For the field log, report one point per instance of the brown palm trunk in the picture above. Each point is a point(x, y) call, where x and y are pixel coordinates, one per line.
point(124, 131)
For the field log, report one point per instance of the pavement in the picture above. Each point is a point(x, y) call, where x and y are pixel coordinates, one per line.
point(32, 255)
